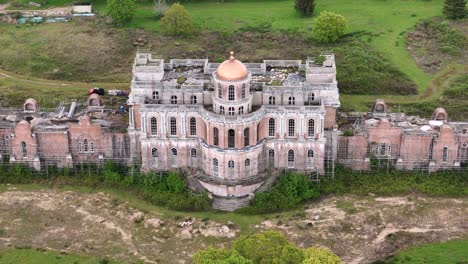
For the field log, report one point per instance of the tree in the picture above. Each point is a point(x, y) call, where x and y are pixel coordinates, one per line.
point(455, 9)
point(305, 7)
point(329, 27)
point(320, 256)
point(176, 21)
point(219, 256)
point(121, 11)
point(261, 248)
point(268, 247)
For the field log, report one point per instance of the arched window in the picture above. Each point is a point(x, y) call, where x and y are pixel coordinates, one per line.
point(174, 99)
point(292, 100)
point(231, 138)
point(241, 110)
point(155, 95)
point(215, 136)
point(310, 158)
point(215, 167)
point(173, 126)
point(231, 91)
point(445, 154)
point(271, 157)
point(247, 167)
point(246, 137)
point(24, 150)
point(220, 91)
point(243, 91)
point(290, 158)
point(291, 128)
point(221, 110)
point(272, 100)
point(85, 145)
point(193, 126)
point(271, 127)
point(383, 149)
point(154, 126)
point(174, 157)
point(154, 154)
point(193, 99)
point(231, 110)
point(311, 97)
point(80, 146)
point(193, 157)
point(230, 169)
point(92, 146)
point(311, 131)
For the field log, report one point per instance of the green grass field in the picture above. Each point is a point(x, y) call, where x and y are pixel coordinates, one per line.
point(451, 252)
point(31, 256)
point(387, 21)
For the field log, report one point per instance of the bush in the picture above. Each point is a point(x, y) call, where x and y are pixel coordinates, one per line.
point(305, 7)
point(121, 11)
point(455, 9)
point(289, 190)
point(177, 21)
point(329, 27)
point(267, 247)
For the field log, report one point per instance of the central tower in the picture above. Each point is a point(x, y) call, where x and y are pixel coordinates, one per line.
point(232, 88)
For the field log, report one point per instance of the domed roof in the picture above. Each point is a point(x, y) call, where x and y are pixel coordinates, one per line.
point(232, 70)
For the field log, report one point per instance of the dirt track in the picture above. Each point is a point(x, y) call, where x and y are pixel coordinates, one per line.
point(359, 229)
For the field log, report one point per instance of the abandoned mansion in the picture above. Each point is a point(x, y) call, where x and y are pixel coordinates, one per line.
point(231, 125)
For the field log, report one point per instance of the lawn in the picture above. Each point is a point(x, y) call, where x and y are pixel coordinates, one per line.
point(31, 256)
point(439, 253)
point(386, 21)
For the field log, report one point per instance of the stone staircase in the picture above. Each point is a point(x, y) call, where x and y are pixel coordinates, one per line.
point(229, 204)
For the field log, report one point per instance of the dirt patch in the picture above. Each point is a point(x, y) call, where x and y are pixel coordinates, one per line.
point(432, 50)
point(378, 227)
point(100, 225)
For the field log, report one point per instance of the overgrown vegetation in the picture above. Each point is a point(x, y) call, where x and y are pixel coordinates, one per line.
point(292, 189)
point(458, 88)
point(362, 70)
point(262, 248)
point(449, 39)
point(169, 189)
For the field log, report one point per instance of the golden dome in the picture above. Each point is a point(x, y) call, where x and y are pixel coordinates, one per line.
point(232, 70)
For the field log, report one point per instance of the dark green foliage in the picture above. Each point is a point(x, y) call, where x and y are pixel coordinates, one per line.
point(365, 71)
point(305, 7)
point(292, 189)
point(455, 9)
point(289, 190)
point(443, 183)
point(458, 88)
point(169, 189)
point(121, 11)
